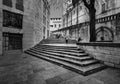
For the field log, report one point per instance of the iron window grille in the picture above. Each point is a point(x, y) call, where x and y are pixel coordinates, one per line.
point(11, 19)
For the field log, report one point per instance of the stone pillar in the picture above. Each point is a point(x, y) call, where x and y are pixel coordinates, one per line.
point(77, 33)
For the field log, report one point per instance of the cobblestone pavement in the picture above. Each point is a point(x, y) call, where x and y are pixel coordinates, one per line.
point(26, 69)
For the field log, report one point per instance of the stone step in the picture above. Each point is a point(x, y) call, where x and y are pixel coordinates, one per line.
point(57, 47)
point(61, 50)
point(46, 41)
point(62, 53)
point(72, 61)
point(82, 58)
point(81, 70)
point(67, 51)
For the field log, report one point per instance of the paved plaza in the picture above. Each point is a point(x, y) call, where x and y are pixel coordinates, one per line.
point(25, 69)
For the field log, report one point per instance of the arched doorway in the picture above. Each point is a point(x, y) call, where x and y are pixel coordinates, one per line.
point(104, 34)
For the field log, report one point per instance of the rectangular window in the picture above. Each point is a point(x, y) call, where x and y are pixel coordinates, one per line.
point(48, 24)
point(44, 29)
point(39, 2)
point(51, 25)
point(44, 19)
point(19, 5)
point(55, 25)
point(103, 7)
point(11, 19)
point(80, 8)
point(74, 12)
point(7, 3)
point(12, 41)
point(118, 25)
point(59, 25)
point(47, 33)
point(48, 14)
point(44, 8)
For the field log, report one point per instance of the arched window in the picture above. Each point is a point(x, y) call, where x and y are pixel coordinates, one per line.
point(104, 34)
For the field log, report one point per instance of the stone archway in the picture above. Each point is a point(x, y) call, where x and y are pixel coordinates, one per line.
point(104, 34)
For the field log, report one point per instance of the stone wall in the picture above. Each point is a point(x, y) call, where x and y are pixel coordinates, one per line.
point(32, 28)
point(109, 53)
point(104, 20)
point(0, 27)
point(28, 24)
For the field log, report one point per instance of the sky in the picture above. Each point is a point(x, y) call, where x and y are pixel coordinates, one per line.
point(56, 8)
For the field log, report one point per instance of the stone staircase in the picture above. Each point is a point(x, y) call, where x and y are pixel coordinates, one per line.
point(68, 57)
point(54, 40)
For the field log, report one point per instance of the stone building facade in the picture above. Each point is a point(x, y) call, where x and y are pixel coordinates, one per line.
point(76, 21)
point(55, 24)
point(106, 48)
point(22, 24)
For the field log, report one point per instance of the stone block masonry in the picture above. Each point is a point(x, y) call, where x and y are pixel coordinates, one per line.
point(30, 19)
point(109, 53)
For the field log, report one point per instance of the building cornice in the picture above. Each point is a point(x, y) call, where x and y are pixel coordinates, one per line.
point(99, 20)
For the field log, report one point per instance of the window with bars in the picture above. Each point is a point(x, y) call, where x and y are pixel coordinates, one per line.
point(7, 3)
point(11, 19)
point(12, 41)
point(19, 5)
